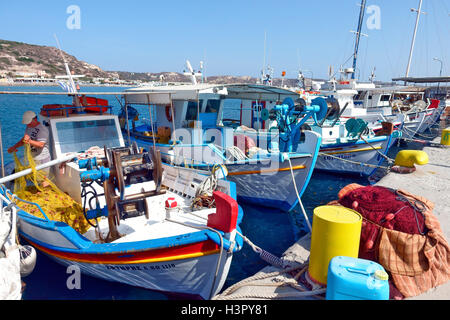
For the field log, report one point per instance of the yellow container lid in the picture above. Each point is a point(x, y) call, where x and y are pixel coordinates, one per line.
point(381, 275)
point(337, 214)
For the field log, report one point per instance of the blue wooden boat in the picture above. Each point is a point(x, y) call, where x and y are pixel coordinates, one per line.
point(147, 227)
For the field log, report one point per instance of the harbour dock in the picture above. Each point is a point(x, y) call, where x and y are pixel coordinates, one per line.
point(431, 181)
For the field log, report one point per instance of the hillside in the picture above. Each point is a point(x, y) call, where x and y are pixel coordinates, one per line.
point(22, 59)
point(18, 57)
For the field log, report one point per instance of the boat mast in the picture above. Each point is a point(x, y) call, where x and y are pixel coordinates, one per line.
point(72, 88)
point(358, 35)
point(419, 12)
point(264, 59)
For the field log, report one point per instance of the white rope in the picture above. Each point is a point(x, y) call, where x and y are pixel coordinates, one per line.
point(208, 186)
point(265, 255)
point(354, 162)
point(237, 153)
point(254, 278)
point(228, 293)
point(378, 151)
point(298, 196)
point(300, 294)
point(414, 133)
point(418, 127)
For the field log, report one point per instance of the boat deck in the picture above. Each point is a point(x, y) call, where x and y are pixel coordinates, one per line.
point(140, 228)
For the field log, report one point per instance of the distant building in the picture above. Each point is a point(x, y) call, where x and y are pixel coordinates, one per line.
point(25, 74)
point(34, 80)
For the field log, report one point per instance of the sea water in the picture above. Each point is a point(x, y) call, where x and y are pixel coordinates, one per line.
point(270, 230)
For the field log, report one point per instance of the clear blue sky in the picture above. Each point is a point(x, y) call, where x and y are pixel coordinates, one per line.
point(156, 36)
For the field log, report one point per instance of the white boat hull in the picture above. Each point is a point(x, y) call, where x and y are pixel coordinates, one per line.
point(192, 277)
point(352, 157)
point(259, 186)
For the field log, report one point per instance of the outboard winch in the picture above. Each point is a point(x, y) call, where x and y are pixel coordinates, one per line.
point(120, 168)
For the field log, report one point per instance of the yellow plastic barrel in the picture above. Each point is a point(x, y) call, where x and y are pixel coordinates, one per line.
point(335, 232)
point(445, 138)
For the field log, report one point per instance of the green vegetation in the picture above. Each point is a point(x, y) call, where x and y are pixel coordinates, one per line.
point(25, 59)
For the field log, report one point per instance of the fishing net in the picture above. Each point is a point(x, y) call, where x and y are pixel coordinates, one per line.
point(38, 188)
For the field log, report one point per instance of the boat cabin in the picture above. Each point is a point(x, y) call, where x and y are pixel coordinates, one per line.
point(209, 106)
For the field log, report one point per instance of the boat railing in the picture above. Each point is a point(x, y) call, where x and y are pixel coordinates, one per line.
point(8, 201)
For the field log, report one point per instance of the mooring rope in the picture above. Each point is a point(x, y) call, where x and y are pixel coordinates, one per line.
point(298, 196)
point(355, 162)
point(415, 133)
point(265, 255)
point(389, 160)
point(303, 292)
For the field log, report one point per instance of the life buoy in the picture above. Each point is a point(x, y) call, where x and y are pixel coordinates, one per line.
point(169, 115)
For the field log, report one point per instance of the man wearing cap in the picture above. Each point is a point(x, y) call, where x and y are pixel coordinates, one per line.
point(36, 135)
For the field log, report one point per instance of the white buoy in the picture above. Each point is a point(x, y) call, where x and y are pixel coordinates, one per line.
point(27, 260)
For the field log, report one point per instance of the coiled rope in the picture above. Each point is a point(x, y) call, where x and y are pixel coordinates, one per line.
point(303, 292)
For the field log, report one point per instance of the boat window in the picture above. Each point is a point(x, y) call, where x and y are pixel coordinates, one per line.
point(191, 113)
point(212, 106)
point(385, 97)
point(75, 136)
point(231, 112)
point(360, 95)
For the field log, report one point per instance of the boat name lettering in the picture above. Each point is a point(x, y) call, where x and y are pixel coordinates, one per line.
point(344, 156)
point(142, 268)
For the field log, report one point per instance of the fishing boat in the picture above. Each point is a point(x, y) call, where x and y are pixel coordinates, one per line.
point(357, 147)
point(194, 130)
point(348, 146)
point(411, 109)
point(142, 222)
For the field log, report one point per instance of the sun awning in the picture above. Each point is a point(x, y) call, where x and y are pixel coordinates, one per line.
point(166, 94)
point(259, 92)
point(161, 97)
point(230, 91)
point(423, 79)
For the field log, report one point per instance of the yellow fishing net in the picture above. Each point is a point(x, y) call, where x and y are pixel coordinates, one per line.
point(57, 205)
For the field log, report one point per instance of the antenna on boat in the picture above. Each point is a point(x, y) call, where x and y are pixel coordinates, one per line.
point(72, 88)
point(191, 73)
point(372, 75)
point(201, 71)
point(264, 58)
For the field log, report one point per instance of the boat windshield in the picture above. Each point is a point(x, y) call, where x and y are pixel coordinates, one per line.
point(76, 136)
point(192, 108)
point(212, 106)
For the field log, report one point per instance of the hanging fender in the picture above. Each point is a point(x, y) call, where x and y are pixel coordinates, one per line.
point(169, 114)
